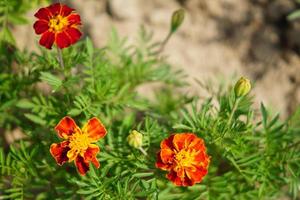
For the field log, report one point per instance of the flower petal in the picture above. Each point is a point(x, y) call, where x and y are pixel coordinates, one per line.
point(65, 10)
point(167, 143)
point(167, 155)
point(74, 19)
point(59, 152)
point(185, 181)
point(90, 155)
point(182, 141)
point(72, 154)
point(197, 144)
point(47, 39)
point(196, 175)
point(40, 26)
point(66, 127)
point(159, 163)
point(95, 129)
point(81, 165)
point(43, 13)
point(55, 8)
point(62, 40)
point(74, 34)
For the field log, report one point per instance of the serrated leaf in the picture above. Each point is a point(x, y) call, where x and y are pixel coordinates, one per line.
point(52, 80)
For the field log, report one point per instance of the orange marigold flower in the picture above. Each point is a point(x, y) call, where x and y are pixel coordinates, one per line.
point(184, 156)
point(78, 144)
point(57, 23)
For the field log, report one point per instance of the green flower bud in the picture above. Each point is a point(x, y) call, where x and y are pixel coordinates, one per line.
point(135, 139)
point(242, 87)
point(177, 19)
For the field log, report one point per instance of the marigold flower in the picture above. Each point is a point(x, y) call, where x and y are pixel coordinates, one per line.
point(184, 156)
point(78, 144)
point(57, 23)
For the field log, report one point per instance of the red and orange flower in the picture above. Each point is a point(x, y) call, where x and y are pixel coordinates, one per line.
point(184, 156)
point(57, 24)
point(78, 144)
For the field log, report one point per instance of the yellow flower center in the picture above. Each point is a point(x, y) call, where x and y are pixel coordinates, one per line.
point(185, 158)
point(58, 23)
point(79, 142)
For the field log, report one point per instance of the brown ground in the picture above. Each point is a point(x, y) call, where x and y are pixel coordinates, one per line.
point(219, 40)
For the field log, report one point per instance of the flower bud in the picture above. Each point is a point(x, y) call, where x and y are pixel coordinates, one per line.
point(135, 139)
point(242, 87)
point(177, 19)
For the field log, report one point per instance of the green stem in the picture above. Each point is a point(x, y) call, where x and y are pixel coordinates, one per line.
point(164, 42)
point(235, 106)
point(60, 58)
point(143, 151)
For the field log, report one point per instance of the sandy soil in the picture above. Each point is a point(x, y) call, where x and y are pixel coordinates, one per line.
point(219, 40)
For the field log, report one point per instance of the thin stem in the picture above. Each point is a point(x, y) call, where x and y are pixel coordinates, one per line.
point(60, 58)
point(235, 105)
point(143, 151)
point(164, 42)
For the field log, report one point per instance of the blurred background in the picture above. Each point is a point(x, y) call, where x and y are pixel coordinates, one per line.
point(219, 40)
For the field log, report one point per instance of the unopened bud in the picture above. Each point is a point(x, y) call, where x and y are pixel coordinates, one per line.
point(135, 139)
point(242, 87)
point(177, 19)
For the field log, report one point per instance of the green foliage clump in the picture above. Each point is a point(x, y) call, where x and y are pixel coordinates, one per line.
point(254, 155)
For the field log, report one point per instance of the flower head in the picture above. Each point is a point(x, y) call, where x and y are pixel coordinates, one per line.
point(135, 139)
point(184, 156)
point(242, 87)
point(57, 24)
point(78, 144)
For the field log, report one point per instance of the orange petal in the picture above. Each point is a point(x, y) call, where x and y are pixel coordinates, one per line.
point(167, 155)
point(59, 152)
point(160, 164)
point(197, 144)
point(183, 140)
point(95, 129)
point(90, 155)
point(201, 157)
point(167, 143)
point(196, 175)
point(66, 127)
point(82, 166)
point(185, 181)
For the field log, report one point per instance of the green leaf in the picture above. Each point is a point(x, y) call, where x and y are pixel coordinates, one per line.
point(294, 15)
point(52, 80)
point(90, 48)
point(24, 103)
point(7, 36)
point(17, 19)
point(74, 112)
point(35, 119)
point(264, 115)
